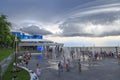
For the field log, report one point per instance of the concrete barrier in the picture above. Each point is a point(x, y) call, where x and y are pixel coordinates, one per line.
point(5, 63)
point(33, 75)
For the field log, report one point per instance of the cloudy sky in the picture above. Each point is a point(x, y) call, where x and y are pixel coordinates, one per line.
point(72, 22)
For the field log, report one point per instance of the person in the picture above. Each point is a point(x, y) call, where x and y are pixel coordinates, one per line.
point(89, 59)
point(72, 54)
point(118, 58)
point(15, 77)
point(79, 65)
point(26, 62)
point(96, 55)
point(67, 65)
point(60, 68)
point(38, 70)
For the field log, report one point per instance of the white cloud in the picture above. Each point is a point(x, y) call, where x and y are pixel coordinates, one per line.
point(89, 41)
point(54, 28)
point(35, 30)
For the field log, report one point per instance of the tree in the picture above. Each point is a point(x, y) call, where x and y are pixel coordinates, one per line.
point(6, 38)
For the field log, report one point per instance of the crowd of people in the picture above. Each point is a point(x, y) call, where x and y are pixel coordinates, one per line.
point(66, 66)
point(99, 55)
point(24, 59)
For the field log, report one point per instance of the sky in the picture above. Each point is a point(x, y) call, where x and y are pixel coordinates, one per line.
point(72, 22)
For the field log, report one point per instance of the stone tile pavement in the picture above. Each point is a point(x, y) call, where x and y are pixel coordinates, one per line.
point(107, 69)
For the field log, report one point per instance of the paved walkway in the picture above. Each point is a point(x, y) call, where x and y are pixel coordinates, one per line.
point(107, 69)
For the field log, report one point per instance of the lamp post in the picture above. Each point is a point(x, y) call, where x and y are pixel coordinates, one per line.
point(16, 50)
point(15, 65)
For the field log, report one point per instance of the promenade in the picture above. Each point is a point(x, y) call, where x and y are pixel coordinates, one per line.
point(107, 69)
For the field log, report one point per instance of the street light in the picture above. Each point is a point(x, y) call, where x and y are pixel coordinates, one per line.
point(16, 50)
point(15, 65)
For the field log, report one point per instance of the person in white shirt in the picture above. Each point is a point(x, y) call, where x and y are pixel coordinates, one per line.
point(38, 70)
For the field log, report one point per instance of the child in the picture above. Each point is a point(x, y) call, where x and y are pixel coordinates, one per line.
point(60, 67)
point(67, 65)
point(38, 70)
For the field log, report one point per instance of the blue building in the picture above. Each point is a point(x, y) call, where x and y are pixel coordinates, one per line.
point(34, 42)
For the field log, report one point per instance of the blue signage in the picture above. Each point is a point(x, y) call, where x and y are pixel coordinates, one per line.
point(40, 48)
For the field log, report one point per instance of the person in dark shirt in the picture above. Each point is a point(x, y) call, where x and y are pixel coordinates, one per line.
point(79, 65)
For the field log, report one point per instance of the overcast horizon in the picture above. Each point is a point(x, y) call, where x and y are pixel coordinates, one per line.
point(72, 22)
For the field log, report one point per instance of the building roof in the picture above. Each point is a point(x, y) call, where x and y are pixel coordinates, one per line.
point(40, 44)
point(37, 40)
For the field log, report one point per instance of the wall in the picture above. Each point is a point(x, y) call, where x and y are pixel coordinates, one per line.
point(5, 63)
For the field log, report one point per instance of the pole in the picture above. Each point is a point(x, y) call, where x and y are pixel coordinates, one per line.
point(83, 53)
point(0, 72)
point(116, 50)
point(15, 76)
point(16, 50)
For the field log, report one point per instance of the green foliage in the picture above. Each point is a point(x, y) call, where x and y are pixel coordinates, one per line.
point(6, 38)
point(4, 53)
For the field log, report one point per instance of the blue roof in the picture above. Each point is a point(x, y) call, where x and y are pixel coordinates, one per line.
point(23, 36)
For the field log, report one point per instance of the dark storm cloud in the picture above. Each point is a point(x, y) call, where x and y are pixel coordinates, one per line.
point(89, 18)
point(43, 10)
point(35, 30)
point(93, 22)
point(99, 18)
point(112, 33)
